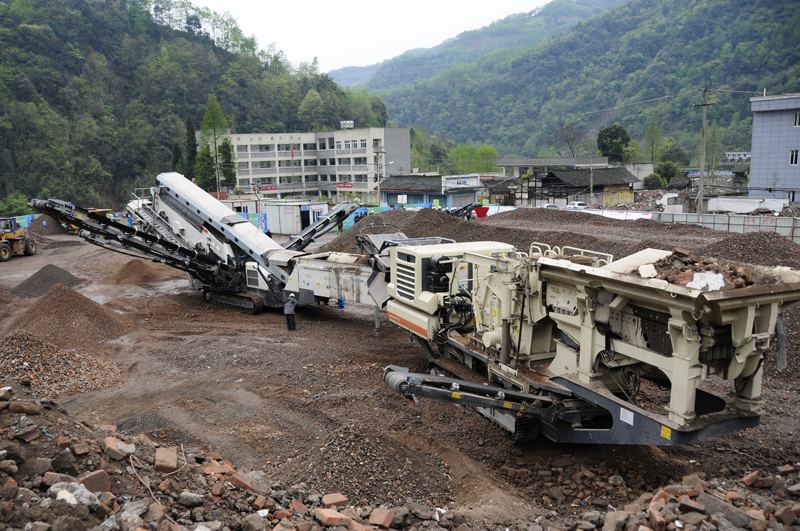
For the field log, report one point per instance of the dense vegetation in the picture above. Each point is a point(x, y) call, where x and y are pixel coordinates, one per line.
point(95, 96)
point(598, 73)
point(513, 32)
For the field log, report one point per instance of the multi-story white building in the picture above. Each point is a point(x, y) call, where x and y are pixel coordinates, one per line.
point(320, 164)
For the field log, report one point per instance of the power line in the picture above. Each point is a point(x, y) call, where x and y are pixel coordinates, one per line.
point(638, 103)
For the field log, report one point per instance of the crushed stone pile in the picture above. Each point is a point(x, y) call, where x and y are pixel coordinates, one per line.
point(759, 248)
point(61, 474)
point(369, 467)
point(52, 371)
point(44, 225)
point(137, 272)
point(40, 282)
point(67, 319)
point(681, 266)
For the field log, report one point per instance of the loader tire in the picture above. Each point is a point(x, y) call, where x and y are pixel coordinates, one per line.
point(5, 252)
point(30, 247)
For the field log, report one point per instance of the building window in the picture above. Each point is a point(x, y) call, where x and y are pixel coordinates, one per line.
point(793, 157)
point(360, 160)
point(241, 148)
point(323, 162)
point(347, 144)
point(322, 143)
point(363, 142)
point(345, 178)
point(296, 147)
point(284, 147)
point(244, 165)
point(263, 164)
point(338, 144)
point(361, 178)
point(376, 142)
point(286, 180)
point(331, 162)
point(323, 178)
point(309, 147)
point(344, 162)
point(264, 148)
point(311, 178)
point(797, 119)
point(310, 162)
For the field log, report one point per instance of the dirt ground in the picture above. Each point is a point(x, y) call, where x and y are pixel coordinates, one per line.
point(288, 401)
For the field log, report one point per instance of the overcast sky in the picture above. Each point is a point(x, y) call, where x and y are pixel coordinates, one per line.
point(358, 33)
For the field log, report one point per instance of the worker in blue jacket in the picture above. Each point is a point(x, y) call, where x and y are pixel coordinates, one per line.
point(288, 311)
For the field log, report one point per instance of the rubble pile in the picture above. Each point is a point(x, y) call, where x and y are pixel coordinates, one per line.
point(682, 266)
point(68, 319)
point(52, 371)
point(137, 272)
point(792, 210)
point(40, 282)
point(648, 202)
point(59, 475)
point(371, 468)
point(44, 225)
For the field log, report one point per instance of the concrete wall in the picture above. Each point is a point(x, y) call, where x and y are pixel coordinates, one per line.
point(741, 205)
point(398, 149)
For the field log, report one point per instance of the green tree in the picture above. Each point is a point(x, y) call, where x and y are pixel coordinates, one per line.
point(214, 129)
point(632, 152)
point(668, 171)
point(227, 164)
point(177, 158)
point(653, 182)
point(312, 111)
point(652, 140)
point(671, 150)
point(612, 142)
point(191, 147)
point(204, 174)
point(16, 204)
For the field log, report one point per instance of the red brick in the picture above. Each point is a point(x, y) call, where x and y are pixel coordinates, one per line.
point(280, 515)
point(116, 449)
point(51, 478)
point(21, 406)
point(330, 517)
point(765, 483)
point(166, 460)
point(218, 468)
point(97, 481)
point(750, 478)
point(241, 480)
point(657, 522)
point(352, 525)
point(62, 443)
point(693, 518)
point(381, 517)
point(218, 489)
point(336, 499)
point(688, 505)
point(297, 507)
point(785, 470)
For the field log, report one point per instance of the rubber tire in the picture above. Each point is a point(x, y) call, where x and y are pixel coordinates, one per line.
point(30, 247)
point(5, 252)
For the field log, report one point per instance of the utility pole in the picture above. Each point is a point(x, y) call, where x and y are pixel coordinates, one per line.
point(701, 183)
point(591, 181)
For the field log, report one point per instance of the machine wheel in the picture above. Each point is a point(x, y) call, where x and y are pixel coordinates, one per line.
point(5, 252)
point(30, 247)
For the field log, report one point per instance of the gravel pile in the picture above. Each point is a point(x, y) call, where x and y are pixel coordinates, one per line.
point(51, 370)
point(759, 248)
point(137, 271)
point(68, 319)
point(371, 468)
point(40, 282)
point(44, 225)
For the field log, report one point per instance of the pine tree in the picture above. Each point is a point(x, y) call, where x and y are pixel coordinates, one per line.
point(214, 129)
point(652, 140)
point(191, 148)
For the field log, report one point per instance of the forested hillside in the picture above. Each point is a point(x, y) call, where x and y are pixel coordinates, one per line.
point(94, 96)
point(511, 33)
point(598, 73)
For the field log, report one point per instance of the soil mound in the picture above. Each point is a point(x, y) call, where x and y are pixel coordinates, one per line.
point(371, 468)
point(51, 370)
point(40, 282)
point(44, 225)
point(68, 319)
point(137, 271)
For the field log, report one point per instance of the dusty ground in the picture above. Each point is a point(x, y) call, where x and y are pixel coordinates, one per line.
point(266, 397)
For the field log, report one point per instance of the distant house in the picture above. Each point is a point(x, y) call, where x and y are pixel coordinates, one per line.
point(775, 153)
point(610, 186)
point(453, 191)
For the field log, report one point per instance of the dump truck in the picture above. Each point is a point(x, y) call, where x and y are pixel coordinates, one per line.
point(14, 239)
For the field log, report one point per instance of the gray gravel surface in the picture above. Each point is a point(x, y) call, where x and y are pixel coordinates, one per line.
point(37, 284)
